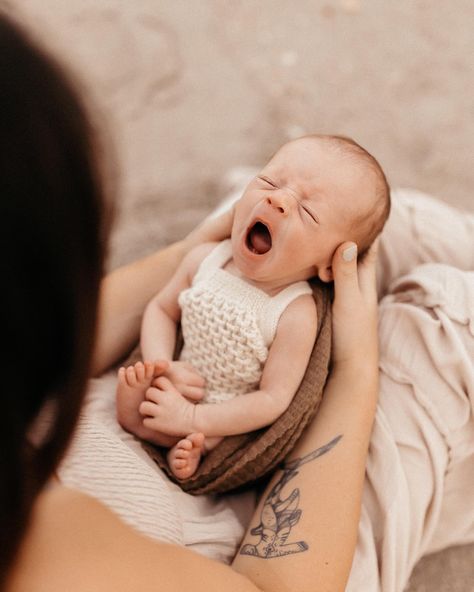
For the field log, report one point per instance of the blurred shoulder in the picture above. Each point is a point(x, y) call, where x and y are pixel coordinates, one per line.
point(75, 543)
point(301, 312)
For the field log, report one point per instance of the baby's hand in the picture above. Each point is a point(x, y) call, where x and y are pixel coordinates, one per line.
point(166, 410)
point(186, 380)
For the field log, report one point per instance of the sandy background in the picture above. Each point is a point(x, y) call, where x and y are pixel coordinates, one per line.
point(188, 89)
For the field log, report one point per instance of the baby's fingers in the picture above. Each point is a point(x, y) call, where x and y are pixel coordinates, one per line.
point(192, 378)
point(147, 409)
point(163, 383)
point(189, 375)
point(193, 393)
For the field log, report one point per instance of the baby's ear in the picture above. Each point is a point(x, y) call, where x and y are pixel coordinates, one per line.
point(325, 274)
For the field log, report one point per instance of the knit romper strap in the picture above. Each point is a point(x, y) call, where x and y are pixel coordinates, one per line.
point(271, 314)
point(216, 259)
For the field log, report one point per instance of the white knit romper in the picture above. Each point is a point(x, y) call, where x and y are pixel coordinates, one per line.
point(228, 326)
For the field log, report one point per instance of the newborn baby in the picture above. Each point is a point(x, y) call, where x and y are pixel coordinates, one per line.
point(246, 309)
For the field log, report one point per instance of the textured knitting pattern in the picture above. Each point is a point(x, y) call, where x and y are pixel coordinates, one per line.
point(102, 461)
point(222, 341)
point(246, 458)
point(227, 326)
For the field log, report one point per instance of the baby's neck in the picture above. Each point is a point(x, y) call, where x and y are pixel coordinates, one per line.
point(270, 287)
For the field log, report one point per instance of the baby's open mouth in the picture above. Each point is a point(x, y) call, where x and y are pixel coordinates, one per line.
point(259, 239)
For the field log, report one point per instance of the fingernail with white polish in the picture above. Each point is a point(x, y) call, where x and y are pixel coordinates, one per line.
point(349, 253)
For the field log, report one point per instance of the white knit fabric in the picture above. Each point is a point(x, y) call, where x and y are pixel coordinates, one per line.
point(110, 464)
point(228, 325)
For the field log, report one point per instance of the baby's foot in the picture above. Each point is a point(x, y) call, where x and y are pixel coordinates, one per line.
point(184, 457)
point(133, 383)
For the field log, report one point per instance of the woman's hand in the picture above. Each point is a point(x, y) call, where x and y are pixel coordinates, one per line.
point(354, 311)
point(211, 229)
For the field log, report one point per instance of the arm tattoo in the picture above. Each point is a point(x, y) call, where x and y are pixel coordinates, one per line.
point(278, 515)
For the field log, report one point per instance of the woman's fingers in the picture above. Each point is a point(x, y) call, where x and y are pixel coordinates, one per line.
point(221, 226)
point(368, 269)
point(212, 229)
point(344, 270)
point(354, 309)
point(352, 276)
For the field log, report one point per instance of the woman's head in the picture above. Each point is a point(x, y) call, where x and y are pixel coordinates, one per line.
point(51, 216)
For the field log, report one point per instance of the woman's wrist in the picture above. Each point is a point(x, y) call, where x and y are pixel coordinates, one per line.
point(366, 366)
point(181, 248)
point(192, 240)
point(355, 380)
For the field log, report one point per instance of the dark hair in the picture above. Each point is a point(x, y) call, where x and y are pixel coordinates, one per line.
point(52, 237)
point(368, 224)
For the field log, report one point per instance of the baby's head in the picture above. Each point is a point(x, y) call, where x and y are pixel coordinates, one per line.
point(315, 193)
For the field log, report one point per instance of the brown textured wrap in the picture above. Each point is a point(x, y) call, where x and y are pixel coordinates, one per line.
point(245, 458)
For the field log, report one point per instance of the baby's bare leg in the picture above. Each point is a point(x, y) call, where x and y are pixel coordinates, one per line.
point(185, 456)
point(133, 383)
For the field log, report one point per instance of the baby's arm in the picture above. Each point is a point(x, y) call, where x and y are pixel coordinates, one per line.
point(283, 372)
point(162, 314)
point(285, 367)
point(157, 341)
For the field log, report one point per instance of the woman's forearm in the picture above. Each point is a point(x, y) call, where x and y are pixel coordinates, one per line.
point(124, 295)
point(126, 291)
point(309, 513)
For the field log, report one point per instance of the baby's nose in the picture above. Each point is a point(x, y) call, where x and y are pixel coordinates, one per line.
point(280, 203)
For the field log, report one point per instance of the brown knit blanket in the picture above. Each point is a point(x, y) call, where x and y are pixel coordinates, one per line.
point(246, 458)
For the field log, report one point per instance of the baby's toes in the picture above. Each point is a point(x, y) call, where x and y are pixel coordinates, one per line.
point(179, 463)
point(149, 370)
point(184, 445)
point(122, 377)
point(131, 376)
point(140, 371)
point(182, 453)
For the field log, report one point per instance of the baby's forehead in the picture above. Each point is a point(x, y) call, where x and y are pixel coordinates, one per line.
point(297, 156)
point(306, 144)
point(311, 154)
point(319, 161)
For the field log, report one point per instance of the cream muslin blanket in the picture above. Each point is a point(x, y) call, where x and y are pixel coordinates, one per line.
point(420, 471)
